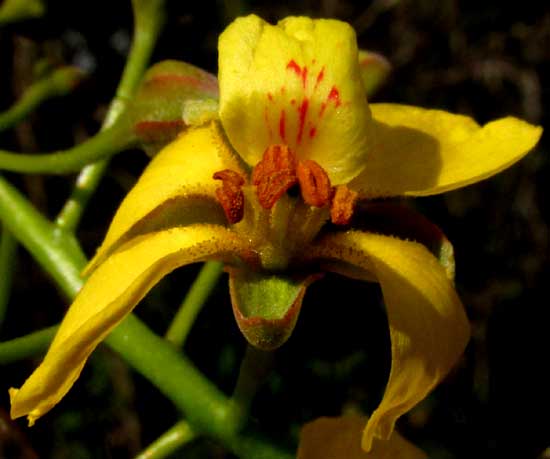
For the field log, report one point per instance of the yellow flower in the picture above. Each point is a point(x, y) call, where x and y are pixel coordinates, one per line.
point(271, 189)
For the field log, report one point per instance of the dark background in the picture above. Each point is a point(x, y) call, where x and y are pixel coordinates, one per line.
point(485, 59)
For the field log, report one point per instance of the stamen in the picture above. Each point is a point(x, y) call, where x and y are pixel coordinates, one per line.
point(230, 194)
point(274, 174)
point(314, 183)
point(343, 205)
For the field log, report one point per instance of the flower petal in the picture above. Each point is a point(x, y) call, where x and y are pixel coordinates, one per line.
point(419, 152)
point(395, 219)
point(176, 189)
point(298, 84)
point(112, 291)
point(340, 438)
point(428, 326)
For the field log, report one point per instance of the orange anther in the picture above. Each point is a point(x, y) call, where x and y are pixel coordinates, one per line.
point(274, 174)
point(342, 206)
point(314, 183)
point(230, 195)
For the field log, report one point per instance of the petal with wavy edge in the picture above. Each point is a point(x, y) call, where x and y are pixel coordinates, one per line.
point(112, 291)
point(340, 438)
point(428, 326)
point(176, 189)
point(299, 84)
point(419, 152)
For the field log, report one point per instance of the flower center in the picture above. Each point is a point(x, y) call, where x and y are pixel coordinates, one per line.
point(266, 211)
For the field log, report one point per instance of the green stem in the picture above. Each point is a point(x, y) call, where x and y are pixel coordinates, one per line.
point(206, 408)
point(102, 145)
point(178, 435)
point(8, 247)
point(31, 345)
point(148, 20)
point(193, 302)
point(255, 368)
point(58, 83)
point(147, 27)
point(57, 251)
point(86, 183)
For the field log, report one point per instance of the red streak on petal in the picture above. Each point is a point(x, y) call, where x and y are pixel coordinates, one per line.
point(299, 71)
point(322, 109)
point(302, 113)
point(270, 96)
point(313, 132)
point(293, 101)
point(334, 95)
point(282, 126)
point(320, 77)
point(292, 65)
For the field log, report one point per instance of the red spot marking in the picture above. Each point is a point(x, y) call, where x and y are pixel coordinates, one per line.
point(270, 96)
point(299, 71)
point(312, 132)
point(282, 126)
point(283, 89)
point(302, 112)
point(292, 65)
point(334, 96)
point(293, 101)
point(320, 77)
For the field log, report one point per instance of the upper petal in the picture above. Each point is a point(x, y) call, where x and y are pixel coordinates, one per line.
point(176, 189)
point(428, 326)
point(419, 152)
point(297, 83)
point(111, 292)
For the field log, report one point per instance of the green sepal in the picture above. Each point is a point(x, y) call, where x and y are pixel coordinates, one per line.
point(374, 69)
point(157, 111)
point(266, 306)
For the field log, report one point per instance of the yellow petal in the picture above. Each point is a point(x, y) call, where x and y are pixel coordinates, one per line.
point(340, 438)
point(428, 326)
point(176, 189)
point(112, 291)
point(297, 83)
point(419, 152)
